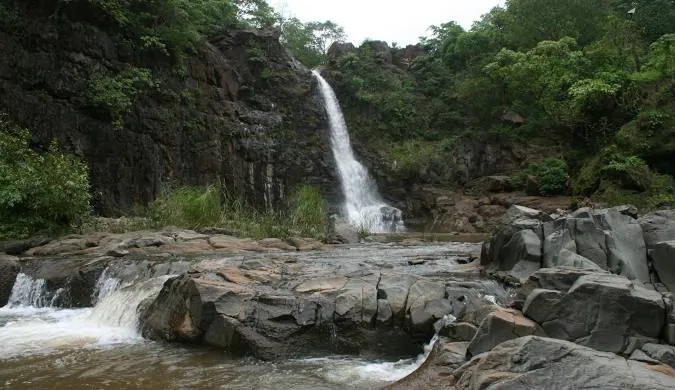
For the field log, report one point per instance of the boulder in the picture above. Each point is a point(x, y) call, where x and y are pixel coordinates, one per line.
point(9, 269)
point(498, 327)
point(541, 303)
point(394, 287)
point(425, 305)
point(540, 363)
point(516, 212)
point(457, 331)
point(663, 353)
point(602, 311)
point(663, 259)
point(356, 302)
point(559, 279)
point(516, 248)
point(610, 240)
point(657, 227)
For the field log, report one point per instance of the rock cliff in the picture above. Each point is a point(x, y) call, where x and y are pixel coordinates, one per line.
point(242, 112)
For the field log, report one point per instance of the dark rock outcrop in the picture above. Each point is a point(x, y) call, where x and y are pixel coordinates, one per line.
point(540, 363)
point(500, 326)
point(281, 305)
point(607, 239)
point(663, 259)
point(602, 311)
point(9, 269)
point(253, 123)
point(657, 227)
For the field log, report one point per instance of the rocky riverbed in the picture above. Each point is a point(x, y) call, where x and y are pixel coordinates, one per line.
point(576, 300)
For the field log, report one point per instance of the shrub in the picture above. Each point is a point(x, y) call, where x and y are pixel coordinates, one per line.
point(309, 213)
point(117, 94)
point(550, 175)
point(189, 207)
point(198, 207)
point(38, 191)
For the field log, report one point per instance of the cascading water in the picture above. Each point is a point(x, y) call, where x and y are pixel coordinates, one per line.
point(28, 327)
point(363, 206)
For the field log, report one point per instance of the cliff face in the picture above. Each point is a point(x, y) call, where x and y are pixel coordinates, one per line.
point(242, 112)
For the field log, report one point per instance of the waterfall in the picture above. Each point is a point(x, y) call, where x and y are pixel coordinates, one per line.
point(28, 292)
point(363, 206)
point(105, 285)
point(28, 325)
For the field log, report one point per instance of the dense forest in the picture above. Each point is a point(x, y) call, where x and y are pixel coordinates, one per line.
point(592, 81)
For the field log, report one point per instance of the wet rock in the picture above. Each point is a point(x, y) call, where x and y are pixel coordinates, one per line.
point(458, 331)
point(394, 288)
point(316, 285)
point(540, 363)
point(357, 301)
point(663, 258)
point(276, 243)
point(500, 326)
point(444, 357)
point(663, 353)
point(601, 311)
point(117, 252)
point(18, 247)
point(416, 261)
point(540, 304)
point(420, 316)
point(9, 269)
point(657, 227)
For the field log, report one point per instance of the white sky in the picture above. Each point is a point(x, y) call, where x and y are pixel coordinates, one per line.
point(397, 21)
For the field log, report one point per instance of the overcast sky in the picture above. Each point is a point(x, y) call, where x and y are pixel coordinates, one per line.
point(397, 21)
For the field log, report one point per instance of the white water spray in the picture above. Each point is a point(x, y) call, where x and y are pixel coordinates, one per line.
point(363, 206)
point(28, 328)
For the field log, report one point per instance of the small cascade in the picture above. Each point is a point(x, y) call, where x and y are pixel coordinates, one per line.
point(28, 292)
point(105, 286)
point(119, 309)
point(363, 206)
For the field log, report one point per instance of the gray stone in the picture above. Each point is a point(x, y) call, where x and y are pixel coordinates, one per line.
point(657, 227)
point(642, 357)
point(394, 288)
point(9, 269)
point(357, 300)
point(660, 352)
point(500, 326)
point(604, 311)
point(384, 313)
point(516, 212)
point(559, 279)
point(420, 316)
point(663, 258)
point(458, 331)
point(536, 363)
point(541, 304)
point(607, 238)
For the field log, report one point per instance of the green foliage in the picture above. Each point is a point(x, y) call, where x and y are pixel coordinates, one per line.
point(188, 207)
point(199, 207)
point(117, 94)
point(39, 192)
point(308, 211)
point(309, 42)
point(550, 176)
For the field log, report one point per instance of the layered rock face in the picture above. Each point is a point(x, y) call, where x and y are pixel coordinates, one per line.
point(254, 124)
point(278, 306)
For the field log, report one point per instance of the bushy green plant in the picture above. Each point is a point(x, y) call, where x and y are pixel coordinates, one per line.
point(551, 176)
point(309, 213)
point(38, 191)
point(199, 207)
point(189, 207)
point(117, 94)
